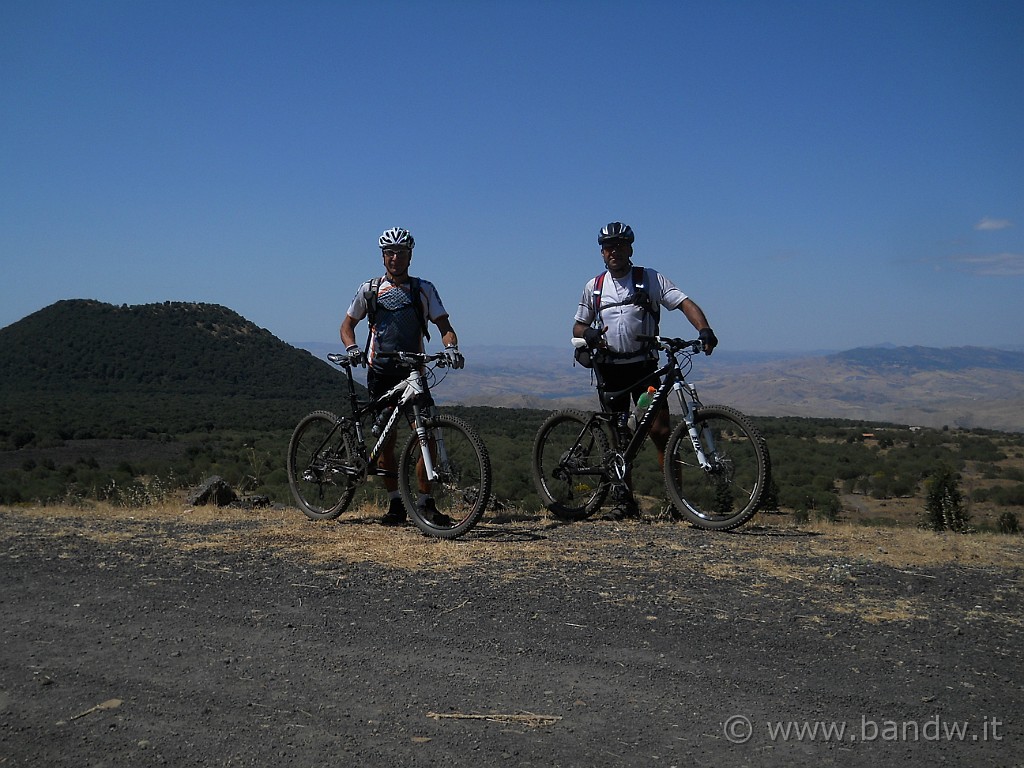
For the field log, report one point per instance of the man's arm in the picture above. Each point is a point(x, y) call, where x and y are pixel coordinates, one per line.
point(448, 336)
point(694, 314)
point(348, 331)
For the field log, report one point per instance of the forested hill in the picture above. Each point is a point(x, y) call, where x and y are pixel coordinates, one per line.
point(84, 346)
point(85, 369)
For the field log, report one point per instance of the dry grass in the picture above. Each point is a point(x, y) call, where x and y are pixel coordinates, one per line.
point(766, 561)
point(765, 549)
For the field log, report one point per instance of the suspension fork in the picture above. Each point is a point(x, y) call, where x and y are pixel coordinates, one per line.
point(687, 394)
point(424, 437)
point(423, 408)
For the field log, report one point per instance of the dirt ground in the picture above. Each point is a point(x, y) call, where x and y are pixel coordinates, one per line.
point(196, 637)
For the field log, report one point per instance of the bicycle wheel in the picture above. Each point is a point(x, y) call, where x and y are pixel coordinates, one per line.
point(726, 495)
point(318, 453)
point(463, 486)
point(568, 456)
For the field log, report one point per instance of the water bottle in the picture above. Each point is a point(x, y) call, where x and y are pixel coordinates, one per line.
point(642, 404)
point(379, 422)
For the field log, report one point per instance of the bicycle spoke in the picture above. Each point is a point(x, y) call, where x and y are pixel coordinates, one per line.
point(458, 497)
point(726, 494)
point(567, 463)
point(319, 455)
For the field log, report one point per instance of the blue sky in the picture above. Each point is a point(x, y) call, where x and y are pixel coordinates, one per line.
point(816, 175)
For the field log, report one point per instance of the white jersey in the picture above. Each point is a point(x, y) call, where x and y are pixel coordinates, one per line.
point(626, 322)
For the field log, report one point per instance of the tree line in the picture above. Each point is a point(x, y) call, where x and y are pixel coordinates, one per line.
point(813, 462)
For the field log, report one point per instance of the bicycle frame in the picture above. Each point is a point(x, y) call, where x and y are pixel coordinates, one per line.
point(442, 471)
point(716, 463)
point(412, 391)
point(674, 380)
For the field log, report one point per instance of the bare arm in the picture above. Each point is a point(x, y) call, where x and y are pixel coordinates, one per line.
point(448, 336)
point(694, 314)
point(348, 331)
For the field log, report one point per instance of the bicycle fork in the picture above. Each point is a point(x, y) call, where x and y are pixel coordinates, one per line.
point(423, 435)
point(688, 402)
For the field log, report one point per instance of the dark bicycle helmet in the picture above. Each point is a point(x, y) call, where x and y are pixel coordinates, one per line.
point(615, 232)
point(396, 237)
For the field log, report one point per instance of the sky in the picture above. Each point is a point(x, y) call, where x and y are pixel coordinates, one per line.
point(816, 175)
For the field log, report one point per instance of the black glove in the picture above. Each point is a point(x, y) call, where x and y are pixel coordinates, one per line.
point(709, 340)
point(453, 357)
point(355, 356)
point(593, 337)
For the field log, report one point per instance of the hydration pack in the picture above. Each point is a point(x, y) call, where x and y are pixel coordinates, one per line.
point(371, 296)
point(641, 297)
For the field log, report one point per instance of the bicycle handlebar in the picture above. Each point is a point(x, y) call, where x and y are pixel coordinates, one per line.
point(665, 343)
point(675, 345)
point(408, 359)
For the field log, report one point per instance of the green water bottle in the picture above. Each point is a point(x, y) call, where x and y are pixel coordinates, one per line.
point(642, 404)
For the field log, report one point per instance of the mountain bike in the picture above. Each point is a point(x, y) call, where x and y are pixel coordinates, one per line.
point(328, 456)
point(717, 464)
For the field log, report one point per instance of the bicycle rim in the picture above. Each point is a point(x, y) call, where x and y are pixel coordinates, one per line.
point(568, 455)
point(317, 456)
point(463, 487)
point(726, 496)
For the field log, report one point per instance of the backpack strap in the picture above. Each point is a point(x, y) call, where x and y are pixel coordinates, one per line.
point(639, 284)
point(373, 292)
point(641, 297)
point(370, 295)
point(598, 285)
point(417, 302)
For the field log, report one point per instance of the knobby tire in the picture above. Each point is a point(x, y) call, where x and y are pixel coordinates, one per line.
point(568, 465)
point(320, 486)
point(463, 488)
point(727, 496)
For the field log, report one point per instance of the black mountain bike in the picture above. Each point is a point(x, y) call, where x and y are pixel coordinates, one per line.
point(328, 457)
point(716, 462)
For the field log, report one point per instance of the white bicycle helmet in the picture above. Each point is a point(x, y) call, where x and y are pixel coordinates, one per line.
point(616, 232)
point(396, 237)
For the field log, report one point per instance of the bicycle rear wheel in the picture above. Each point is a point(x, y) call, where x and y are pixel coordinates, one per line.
point(726, 495)
point(568, 456)
point(463, 486)
point(319, 451)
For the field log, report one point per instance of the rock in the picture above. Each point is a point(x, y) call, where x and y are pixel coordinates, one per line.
point(213, 490)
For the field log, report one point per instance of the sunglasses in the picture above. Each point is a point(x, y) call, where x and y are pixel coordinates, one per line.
point(396, 252)
point(616, 245)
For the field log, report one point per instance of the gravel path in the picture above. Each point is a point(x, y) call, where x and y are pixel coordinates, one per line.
point(154, 642)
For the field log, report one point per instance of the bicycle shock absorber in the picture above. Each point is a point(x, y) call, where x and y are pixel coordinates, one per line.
point(424, 441)
point(689, 418)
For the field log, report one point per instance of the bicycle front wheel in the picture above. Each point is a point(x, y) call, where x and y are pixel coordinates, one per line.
point(568, 456)
point(463, 485)
point(319, 452)
point(726, 494)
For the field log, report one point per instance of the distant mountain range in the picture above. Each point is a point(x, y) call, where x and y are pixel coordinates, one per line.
point(138, 362)
point(964, 387)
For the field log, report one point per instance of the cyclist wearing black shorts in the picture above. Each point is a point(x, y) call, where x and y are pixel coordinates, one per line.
point(398, 307)
point(618, 307)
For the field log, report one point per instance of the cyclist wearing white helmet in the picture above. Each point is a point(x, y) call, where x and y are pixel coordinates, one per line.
point(398, 307)
point(618, 306)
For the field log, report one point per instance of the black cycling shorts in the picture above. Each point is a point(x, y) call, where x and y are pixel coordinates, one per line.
point(613, 378)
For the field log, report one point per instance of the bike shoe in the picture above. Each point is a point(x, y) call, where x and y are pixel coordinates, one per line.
point(626, 510)
point(429, 512)
point(395, 515)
